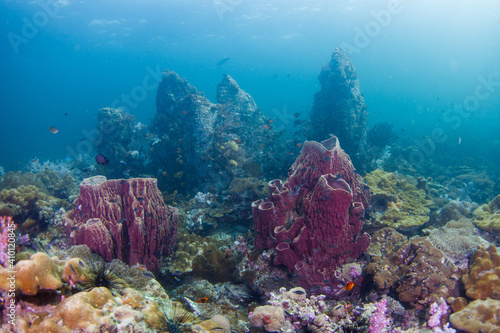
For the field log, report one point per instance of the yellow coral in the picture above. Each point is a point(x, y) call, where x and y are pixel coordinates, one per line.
point(399, 204)
point(39, 272)
point(483, 279)
point(478, 316)
point(487, 216)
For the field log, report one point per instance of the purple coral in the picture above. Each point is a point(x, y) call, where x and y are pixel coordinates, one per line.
point(378, 320)
point(7, 228)
point(437, 312)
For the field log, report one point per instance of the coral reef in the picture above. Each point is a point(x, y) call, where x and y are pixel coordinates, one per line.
point(483, 279)
point(415, 270)
point(32, 208)
point(478, 316)
point(397, 202)
point(124, 219)
point(313, 220)
point(339, 107)
point(487, 216)
point(206, 257)
point(457, 239)
point(272, 318)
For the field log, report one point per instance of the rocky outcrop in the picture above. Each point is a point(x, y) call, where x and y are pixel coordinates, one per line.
point(203, 146)
point(339, 107)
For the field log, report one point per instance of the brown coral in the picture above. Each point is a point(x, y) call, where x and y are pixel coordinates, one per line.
point(415, 270)
point(478, 316)
point(483, 279)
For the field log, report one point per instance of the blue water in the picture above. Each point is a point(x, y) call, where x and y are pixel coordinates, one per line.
point(426, 58)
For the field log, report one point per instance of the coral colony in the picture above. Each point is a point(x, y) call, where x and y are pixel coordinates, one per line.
point(211, 220)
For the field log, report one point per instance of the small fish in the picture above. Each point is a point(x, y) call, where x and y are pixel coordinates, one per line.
point(136, 210)
point(316, 250)
point(53, 129)
point(123, 182)
point(228, 254)
point(81, 263)
point(158, 254)
point(122, 220)
point(270, 121)
point(238, 141)
point(176, 278)
point(299, 292)
point(73, 269)
point(459, 140)
point(79, 207)
point(185, 112)
point(149, 275)
point(298, 145)
point(141, 267)
point(266, 126)
point(140, 199)
point(296, 115)
point(123, 162)
point(222, 62)
point(349, 286)
point(149, 214)
point(202, 300)
point(101, 159)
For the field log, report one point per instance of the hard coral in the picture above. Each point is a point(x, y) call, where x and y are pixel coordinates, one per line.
point(37, 273)
point(396, 201)
point(272, 318)
point(415, 270)
point(487, 216)
point(478, 316)
point(483, 279)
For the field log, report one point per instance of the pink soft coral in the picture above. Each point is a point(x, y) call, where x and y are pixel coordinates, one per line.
point(378, 321)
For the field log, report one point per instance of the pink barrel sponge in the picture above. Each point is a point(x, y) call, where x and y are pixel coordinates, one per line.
point(314, 219)
point(124, 219)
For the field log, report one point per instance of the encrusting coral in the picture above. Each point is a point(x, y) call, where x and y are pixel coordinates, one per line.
point(478, 316)
point(397, 202)
point(487, 216)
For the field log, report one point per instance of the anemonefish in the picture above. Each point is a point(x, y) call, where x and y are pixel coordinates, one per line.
point(349, 286)
point(202, 300)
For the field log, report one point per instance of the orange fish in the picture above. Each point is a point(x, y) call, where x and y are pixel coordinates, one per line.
point(298, 145)
point(349, 286)
point(228, 254)
point(202, 300)
point(266, 126)
point(53, 129)
point(271, 121)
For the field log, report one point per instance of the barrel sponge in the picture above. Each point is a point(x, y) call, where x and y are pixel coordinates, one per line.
point(478, 316)
point(39, 272)
point(271, 317)
point(483, 279)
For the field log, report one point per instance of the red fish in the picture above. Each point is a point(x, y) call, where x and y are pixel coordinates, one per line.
point(349, 286)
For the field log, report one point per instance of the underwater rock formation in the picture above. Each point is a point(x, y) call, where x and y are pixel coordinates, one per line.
point(339, 107)
point(314, 219)
point(124, 219)
point(123, 141)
